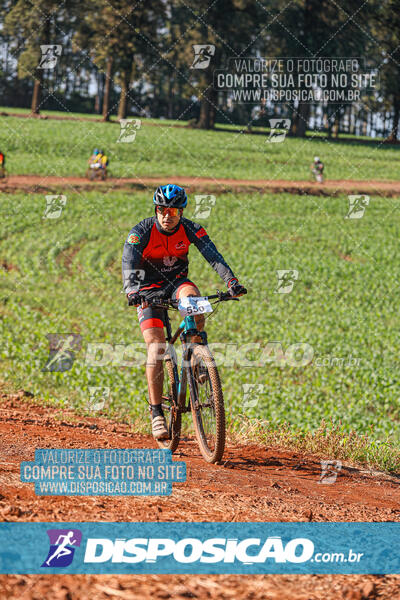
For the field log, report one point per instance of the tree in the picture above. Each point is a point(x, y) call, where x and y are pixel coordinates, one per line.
point(386, 30)
point(31, 25)
point(230, 26)
point(315, 29)
point(117, 35)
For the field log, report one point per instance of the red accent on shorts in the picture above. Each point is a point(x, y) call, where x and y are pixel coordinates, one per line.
point(147, 323)
point(201, 232)
point(183, 285)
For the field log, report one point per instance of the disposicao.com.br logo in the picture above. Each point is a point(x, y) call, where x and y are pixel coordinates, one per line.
point(229, 553)
point(190, 550)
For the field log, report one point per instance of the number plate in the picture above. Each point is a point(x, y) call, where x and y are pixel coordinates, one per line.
point(194, 305)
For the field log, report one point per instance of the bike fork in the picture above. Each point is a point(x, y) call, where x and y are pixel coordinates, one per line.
point(189, 337)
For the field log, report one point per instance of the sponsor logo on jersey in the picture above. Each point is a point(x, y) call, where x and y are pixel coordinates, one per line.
point(180, 245)
point(169, 260)
point(133, 239)
point(201, 232)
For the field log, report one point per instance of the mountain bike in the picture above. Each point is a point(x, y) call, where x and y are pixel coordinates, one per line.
point(94, 173)
point(318, 176)
point(199, 372)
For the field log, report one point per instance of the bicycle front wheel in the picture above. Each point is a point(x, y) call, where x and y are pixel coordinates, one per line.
point(171, 410)
point(207, 404)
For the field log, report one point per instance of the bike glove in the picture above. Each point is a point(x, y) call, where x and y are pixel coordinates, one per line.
point(235, 288)
point(134, 299)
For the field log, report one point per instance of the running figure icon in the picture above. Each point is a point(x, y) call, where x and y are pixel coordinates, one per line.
point(62, 549)
point(63, 543)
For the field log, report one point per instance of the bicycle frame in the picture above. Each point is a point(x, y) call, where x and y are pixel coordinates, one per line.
point(186, 330)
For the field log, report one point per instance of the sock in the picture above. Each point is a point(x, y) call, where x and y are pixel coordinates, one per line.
point(156, 410)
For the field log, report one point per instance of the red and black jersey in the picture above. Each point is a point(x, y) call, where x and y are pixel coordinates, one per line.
point(154, 257)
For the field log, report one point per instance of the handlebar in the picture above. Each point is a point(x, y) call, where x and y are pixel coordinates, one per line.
point(168, 303)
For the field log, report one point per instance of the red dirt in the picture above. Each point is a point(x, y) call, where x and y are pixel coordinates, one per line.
point(41, 183)
point(253, 483)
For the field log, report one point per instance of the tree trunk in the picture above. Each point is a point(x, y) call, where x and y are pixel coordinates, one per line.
point(209, 100)
point(395, 127)
point(336, 126)
point(37, 89)
point(101, 81)
point(122, 106)
point(300, 120)
point(369, 126)
point(107, 86)
point(364, 124)
point(208, 108)
point(352, 120)
point(170, 101)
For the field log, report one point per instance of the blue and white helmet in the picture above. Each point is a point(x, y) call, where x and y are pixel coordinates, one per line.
point(170, 195)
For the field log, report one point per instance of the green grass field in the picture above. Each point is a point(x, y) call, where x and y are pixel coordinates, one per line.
point(63, 275)
point(63, 147)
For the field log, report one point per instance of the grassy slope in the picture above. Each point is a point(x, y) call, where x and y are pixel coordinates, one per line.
point(63, 147)
point(65, 277)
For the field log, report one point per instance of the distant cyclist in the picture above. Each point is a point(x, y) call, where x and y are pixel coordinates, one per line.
point(98, 160)
point(155, 265)
point(317, 169)
point(93, 160)
point(2, 165)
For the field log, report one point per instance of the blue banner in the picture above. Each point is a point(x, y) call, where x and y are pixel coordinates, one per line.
point(249, 548)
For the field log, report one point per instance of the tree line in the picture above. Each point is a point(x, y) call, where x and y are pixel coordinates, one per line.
point(136, 58)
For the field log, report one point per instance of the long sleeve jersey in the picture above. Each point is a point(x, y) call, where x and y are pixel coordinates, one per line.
point(154, 256)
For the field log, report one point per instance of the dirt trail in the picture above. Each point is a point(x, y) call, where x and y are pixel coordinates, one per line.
point(42, 183)
point(252, 484)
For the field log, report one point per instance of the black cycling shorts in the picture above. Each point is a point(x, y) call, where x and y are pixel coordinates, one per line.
point(153, 316)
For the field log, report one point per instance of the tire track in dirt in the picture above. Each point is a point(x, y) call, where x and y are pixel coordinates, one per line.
point(46, 183)
point(253, 483)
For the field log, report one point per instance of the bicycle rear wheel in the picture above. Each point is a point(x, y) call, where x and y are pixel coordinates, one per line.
point(171, 410)
point(207, 404)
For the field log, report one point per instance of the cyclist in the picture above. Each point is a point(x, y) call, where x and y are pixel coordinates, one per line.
point(317, 167)
point(98, 160)
point(155, 265)
point(2, 164)
point(93, 160)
